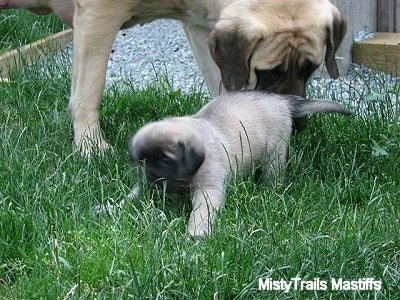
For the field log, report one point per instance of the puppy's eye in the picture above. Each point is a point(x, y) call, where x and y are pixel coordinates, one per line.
point(164, 160)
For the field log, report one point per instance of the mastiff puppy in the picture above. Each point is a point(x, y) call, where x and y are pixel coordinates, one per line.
point(272, 45)
point(235, 132)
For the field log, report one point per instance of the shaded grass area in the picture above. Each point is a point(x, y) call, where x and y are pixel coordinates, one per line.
point(336, 215)
point(19, 27)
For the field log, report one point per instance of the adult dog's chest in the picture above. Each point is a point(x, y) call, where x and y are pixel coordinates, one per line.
point(197, 12)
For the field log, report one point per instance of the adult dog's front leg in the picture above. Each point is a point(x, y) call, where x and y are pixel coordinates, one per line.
point(197, 38)
point(96, 24)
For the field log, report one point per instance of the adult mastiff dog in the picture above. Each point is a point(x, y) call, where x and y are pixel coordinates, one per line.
point(272, 45)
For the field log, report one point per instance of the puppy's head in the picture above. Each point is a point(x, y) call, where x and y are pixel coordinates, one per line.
point(168, 152)
point(276, 45)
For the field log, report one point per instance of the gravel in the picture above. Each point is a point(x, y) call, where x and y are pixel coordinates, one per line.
point(359, 88)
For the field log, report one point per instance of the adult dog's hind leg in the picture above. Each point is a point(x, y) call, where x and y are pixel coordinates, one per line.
point(96, 24)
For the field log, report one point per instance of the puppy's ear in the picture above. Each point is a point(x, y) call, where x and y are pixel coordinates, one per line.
point(193, 155)
point(231, 52)
point(335, 35)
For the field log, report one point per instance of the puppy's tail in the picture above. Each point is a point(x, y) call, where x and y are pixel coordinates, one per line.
point(302, 107)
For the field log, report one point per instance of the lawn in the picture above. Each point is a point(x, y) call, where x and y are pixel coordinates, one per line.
point(335, 216)
point(20, 27)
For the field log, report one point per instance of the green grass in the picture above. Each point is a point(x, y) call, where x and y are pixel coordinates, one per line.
point(15, 33)
point(336, 215)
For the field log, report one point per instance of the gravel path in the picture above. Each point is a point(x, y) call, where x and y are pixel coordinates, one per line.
point(160, 47)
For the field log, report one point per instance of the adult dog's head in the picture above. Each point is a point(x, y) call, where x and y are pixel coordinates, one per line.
point(275, 45)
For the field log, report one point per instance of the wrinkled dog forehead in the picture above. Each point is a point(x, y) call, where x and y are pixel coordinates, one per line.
point(286, 34)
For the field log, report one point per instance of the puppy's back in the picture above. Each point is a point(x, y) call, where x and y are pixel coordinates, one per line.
point(254, 105)
point(252, 123)
point(246, 106)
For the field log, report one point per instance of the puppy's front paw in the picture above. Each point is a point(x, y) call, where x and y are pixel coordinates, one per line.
point(134, 192)
point(109, 209)
point(199, 229)
point(198, 234)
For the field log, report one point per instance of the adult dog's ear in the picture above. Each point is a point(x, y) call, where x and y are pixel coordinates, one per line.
point(193, 155)
point(231, 52)
point(334, 37)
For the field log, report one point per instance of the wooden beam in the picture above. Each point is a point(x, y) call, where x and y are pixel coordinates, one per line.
point(32, 52)
point(381, 53)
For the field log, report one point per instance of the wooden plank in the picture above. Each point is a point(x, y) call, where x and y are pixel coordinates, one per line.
point(381, 53)
point(29, 53)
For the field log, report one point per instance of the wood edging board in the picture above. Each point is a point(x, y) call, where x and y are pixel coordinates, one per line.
point(32, 52)
point(382, 52)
